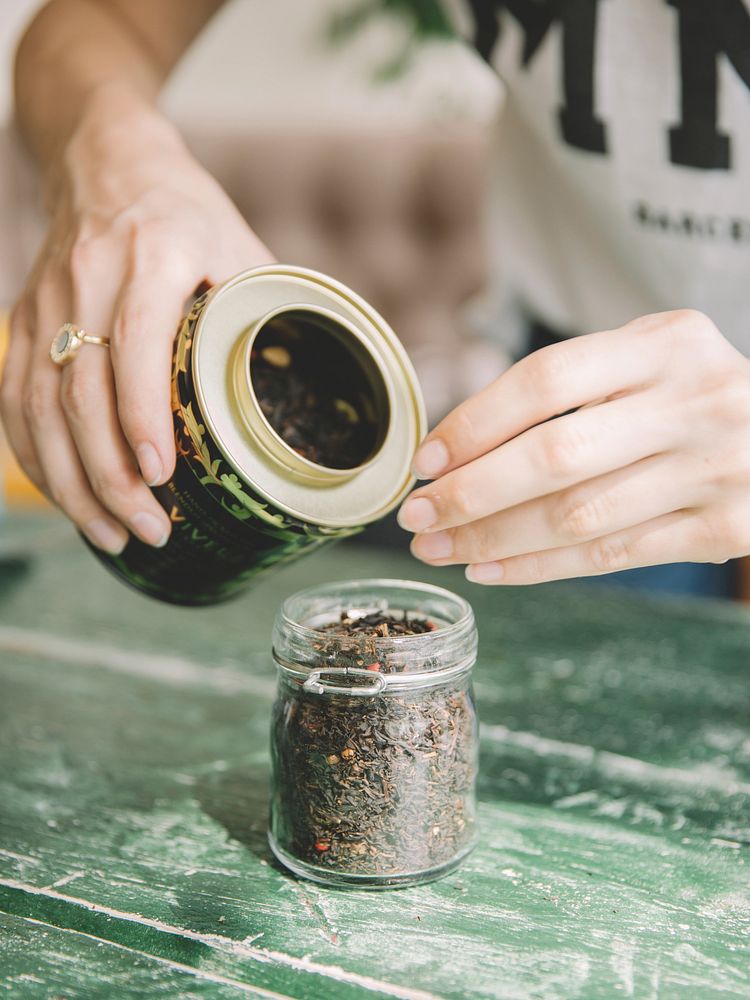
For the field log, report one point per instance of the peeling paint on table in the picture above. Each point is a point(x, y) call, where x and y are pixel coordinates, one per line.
point(614, 812)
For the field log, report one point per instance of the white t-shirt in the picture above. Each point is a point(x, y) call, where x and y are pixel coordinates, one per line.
point(623, 158)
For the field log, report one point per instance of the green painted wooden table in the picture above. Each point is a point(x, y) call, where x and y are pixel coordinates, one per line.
point(615, 817)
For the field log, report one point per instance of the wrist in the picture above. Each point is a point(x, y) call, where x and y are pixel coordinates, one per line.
point(117, 125)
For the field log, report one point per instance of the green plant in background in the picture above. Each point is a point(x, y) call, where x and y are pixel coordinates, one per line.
point(424, 20)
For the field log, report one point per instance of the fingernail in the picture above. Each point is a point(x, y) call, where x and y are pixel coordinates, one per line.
point(438, 545)
point(417, 514)
point(150, 529)
point(489, 572)
point(104, 535)
point(149, 464)
point(430, 460)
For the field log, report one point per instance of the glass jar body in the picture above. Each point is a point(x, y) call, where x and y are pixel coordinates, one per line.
point(374, 772)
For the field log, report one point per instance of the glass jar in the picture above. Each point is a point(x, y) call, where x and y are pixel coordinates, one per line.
point(374, 735)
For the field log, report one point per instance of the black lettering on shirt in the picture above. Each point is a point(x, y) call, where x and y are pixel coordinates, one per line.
point(578, 19)
point(701, 226)
point(707, 30)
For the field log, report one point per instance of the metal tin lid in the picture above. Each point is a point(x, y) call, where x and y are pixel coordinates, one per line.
point(335, 498)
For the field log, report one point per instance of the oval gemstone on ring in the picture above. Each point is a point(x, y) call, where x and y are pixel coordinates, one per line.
point(64, 345)
point(61, 342)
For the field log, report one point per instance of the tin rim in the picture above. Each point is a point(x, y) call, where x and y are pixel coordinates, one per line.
point(229, 311)
point(258, 424)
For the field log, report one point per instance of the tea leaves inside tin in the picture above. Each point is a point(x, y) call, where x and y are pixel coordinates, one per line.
point(315, 393)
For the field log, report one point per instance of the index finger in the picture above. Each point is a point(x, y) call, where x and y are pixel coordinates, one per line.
point(143, 334)
point(545, 384)
point(541, 461)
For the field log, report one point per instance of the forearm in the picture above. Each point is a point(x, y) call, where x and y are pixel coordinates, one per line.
point(136, 225)
point(77, 49)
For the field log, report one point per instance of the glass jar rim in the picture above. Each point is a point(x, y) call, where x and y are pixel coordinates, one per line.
point(447, 651)
point(373, 583)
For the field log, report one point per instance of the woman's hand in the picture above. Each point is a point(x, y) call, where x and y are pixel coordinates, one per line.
point(652, 466)
point(136, 226)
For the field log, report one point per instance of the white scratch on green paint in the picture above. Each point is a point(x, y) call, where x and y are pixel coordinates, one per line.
point(619, 767)
point(241, 949)
point(178, 670)
point(202, 974)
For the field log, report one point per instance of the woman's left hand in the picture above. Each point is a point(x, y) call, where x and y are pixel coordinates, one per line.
point(653, 465)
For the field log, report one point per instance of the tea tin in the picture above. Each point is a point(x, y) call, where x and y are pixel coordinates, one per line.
point(241, 500)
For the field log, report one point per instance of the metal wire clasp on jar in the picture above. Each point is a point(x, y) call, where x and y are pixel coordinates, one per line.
point(374, 733)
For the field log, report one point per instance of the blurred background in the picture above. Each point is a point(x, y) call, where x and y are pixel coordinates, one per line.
point(364, 159)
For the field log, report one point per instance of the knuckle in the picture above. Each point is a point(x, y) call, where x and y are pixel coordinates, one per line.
point(608, 555)
point(63, 496)
point(463, 502)
point(691, 329)
point(534, 567)
point(36, 404)
point(562, 450)
point(158, 243)
point(692, 319)
point(128, 323)
point(462, 431)
point(112, 488)
point(78, 391)
point(70, 501)
point(153, 229)
point(731, 401)
point(575, 517)
point(472, 541)
point(723, 534)
point(149, 236)
point(83, 253)
point(548, 371)
point(734, 469)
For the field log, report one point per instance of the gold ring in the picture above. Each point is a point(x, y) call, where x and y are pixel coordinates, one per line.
point(68, 341)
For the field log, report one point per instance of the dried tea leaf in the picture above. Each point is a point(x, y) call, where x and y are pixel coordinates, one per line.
point(277, 356)
point(347, 410)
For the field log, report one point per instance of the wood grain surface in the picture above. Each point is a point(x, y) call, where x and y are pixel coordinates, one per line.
point(614, 814)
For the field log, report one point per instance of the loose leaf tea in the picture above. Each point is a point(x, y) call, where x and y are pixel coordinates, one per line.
point(375, 785)
point(378, 625)
point(315, 394)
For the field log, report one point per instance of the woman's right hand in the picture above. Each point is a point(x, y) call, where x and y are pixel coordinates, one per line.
point(136, 225)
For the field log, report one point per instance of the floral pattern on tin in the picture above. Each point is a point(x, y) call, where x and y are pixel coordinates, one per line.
point(213, 471)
